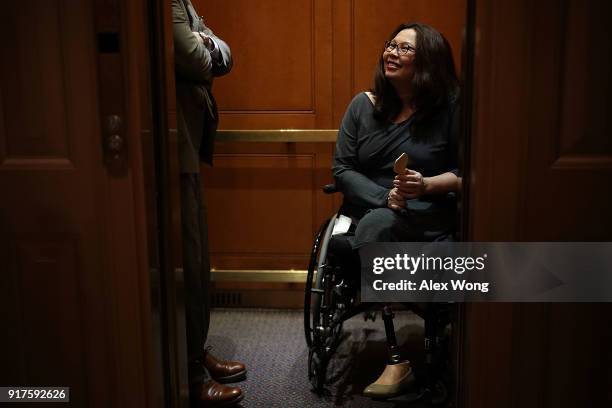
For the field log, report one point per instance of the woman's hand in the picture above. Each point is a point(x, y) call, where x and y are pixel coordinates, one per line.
point(411, 184)
point(395, 200)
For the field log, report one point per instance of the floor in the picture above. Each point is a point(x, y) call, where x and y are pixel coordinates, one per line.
point(272, 345)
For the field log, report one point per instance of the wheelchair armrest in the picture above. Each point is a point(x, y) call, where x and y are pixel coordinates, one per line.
point(330, 189)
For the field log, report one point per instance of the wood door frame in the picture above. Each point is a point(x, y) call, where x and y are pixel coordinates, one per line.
point(170, 342)
point(490, 216)
point(507, 361)
point(465, 158)
point(136, 384)
point(84, 224)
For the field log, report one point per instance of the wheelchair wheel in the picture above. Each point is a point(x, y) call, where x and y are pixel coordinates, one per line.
point(326, 320)
point(312, 266)
point(324, 305)
point(317, 368)
point(321, 297)
point(327, 309)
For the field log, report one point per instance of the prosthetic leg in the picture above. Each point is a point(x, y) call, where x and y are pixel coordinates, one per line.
point(397, 376)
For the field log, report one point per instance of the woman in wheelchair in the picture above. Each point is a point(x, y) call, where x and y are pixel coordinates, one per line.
point(412, 110)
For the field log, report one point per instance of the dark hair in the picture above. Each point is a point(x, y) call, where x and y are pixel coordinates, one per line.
point(434, 83)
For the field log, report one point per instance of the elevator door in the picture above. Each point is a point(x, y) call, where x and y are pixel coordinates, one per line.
point(73, 297)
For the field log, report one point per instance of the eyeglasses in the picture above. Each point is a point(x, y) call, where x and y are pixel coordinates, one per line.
point(402, 49)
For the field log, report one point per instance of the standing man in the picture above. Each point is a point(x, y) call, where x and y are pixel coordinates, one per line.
point(199, 57)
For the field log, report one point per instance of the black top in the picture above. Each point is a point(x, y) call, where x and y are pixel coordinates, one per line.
point(366, 150)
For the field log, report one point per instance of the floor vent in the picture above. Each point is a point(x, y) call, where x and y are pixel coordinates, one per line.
point(226, 299)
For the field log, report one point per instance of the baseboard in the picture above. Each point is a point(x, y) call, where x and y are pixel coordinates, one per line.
point(278, 289)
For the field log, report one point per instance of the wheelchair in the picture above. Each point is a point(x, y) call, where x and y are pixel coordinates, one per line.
point(331, 299)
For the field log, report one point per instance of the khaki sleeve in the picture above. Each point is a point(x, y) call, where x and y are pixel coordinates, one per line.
point(191, 58)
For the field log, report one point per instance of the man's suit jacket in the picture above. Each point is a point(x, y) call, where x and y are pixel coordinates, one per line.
point(195, 69)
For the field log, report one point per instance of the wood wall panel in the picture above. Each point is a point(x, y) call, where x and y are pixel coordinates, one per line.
point(32, 83)
point(569, 150)
point(266, 54)
point(579, 374)
point(539, 173)
point(259, 182)
point(265, 202)
point(298, 64)
point(342, 59)
point(72, 242)
point(49, 267)
point(51, 220)
point(585, 81)
point(282, 62)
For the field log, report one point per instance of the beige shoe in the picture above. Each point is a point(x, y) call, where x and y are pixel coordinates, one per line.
point(384, 391)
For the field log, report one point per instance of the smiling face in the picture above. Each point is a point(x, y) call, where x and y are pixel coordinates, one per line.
point(398, 67)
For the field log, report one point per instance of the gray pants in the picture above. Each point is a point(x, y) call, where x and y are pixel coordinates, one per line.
point(196, 267)
point(386, 225)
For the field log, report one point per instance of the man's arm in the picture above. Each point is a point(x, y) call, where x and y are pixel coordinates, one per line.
point(221, 53)
point(191, 57)
point(224, 63)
